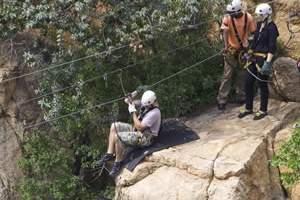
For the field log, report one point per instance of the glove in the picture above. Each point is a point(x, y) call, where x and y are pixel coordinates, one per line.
point(129, 95)
point(266, 68)
point(131, 108)
point(142, 88)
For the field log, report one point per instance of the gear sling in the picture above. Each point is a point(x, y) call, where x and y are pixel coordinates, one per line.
point(242, 50)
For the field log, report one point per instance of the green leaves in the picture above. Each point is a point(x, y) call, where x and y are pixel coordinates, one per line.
point(288, 158)
point(42, 157)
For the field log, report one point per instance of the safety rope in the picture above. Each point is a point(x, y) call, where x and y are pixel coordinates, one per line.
point(105, 78)
point(266, 81)
point(290, 29)
point(289, 22)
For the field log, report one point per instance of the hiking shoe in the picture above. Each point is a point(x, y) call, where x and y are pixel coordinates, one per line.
point(259, 115)
point(243, 113)
point(115, 168)
point(221, 106)
point(107, 157)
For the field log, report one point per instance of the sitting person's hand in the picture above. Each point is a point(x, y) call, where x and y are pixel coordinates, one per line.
point(131, 108)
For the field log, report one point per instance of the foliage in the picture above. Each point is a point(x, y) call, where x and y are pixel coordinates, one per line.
point(42, 157)
point(109, 192)
point(288, 158)
point(90, 53)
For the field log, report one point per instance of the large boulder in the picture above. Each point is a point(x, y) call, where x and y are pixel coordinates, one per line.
point(286, 79)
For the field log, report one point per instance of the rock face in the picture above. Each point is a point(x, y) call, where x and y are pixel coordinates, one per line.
point(287, 26)
point(16, 112)
point(230, 161)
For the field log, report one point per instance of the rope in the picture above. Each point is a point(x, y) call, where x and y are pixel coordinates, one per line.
point(98, 77)
point(115, 100)
point(104, 52)
point(289, 21)
point(190, 67)
point(104, 76)
point(266, 81)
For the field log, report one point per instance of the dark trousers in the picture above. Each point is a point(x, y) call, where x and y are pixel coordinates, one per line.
point(263, 85)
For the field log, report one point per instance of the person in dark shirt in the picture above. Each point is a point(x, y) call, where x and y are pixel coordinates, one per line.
point(260, 62)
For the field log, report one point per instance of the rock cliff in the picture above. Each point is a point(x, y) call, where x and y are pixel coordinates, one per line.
point(16, 112)
point(230, 161)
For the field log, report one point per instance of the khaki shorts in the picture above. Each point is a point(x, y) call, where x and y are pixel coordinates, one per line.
point(131, 138)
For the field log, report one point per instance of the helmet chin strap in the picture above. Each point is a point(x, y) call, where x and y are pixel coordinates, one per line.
point(266, 19)
point(238, 14)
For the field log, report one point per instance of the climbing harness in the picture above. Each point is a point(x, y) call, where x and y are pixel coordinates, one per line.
point(248, 57)
point(138, 138)
point(240, 52)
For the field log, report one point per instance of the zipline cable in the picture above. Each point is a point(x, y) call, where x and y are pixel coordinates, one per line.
point(105, 75)
point(112, 72)
point(115, 100)
point(97, 54)
point(60, 90)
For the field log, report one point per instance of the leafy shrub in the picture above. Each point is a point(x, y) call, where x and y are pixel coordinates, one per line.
point(288, 158)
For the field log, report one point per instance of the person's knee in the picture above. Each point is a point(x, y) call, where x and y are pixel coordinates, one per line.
point(113, 127)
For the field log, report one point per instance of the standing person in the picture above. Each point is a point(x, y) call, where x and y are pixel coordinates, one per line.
point(141, 134)
point(235, 26)
point(264, 46)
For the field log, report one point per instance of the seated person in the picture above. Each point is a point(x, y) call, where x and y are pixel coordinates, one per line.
point(141, 134)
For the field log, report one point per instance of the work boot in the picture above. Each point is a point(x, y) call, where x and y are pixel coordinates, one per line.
point(107, 157)
point(116, 168)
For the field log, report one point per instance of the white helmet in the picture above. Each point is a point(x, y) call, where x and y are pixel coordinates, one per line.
point(235, 6)
point(148, 97)
point(263, 9)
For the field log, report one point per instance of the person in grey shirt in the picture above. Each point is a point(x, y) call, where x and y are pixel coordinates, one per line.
point(142, 133)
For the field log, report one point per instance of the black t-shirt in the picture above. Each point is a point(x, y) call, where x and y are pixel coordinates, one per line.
point(267, 40)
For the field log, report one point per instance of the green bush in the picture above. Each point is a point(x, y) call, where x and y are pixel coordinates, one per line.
point(288, 158)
